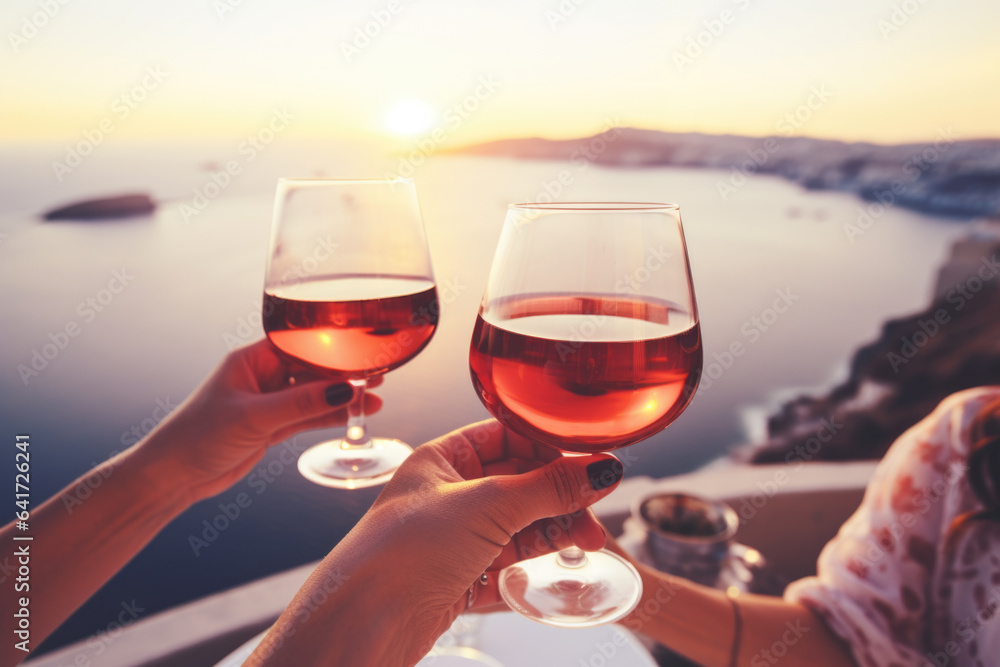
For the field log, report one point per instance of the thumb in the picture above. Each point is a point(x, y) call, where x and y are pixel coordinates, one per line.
point(306, 401)
point(563, 486)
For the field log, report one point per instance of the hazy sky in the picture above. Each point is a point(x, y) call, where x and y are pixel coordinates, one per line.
point(891, 70)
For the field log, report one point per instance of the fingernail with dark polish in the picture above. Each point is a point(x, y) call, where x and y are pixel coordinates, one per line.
point(605, 473)
point(339, 394)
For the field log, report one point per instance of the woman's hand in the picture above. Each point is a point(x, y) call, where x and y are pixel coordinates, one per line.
point(246, 405)
point(473, 501)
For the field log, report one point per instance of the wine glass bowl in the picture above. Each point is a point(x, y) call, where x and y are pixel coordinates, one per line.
point(628, 379)
point(587, 340)
point(340, 324)
point(349, 292)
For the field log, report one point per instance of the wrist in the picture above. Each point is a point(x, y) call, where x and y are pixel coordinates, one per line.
point(685, 616)
point(360, 618)
point(658, 591)
point(152, 473)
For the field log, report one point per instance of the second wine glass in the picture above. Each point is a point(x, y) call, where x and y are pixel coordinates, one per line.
point(349, 292)
point(587, 340)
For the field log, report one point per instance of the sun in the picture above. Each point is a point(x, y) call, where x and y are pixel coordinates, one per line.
point(410, 117)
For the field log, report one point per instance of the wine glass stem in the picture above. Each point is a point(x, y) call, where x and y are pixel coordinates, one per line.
point(357, 431)
point(572, 557)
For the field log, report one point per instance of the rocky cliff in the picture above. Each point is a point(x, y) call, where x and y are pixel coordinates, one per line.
point(916, 362)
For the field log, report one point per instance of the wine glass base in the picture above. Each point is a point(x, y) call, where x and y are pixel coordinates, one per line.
point(330, 464)
point(603, 590)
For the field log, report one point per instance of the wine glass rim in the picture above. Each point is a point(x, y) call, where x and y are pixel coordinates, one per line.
point(356, 181)
point(594, 206)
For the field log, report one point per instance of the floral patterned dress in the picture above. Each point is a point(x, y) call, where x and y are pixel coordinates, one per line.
point(896, 583)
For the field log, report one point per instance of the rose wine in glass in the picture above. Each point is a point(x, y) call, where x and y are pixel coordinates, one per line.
point(342, 330)
point(587, 340)
point(350, 293)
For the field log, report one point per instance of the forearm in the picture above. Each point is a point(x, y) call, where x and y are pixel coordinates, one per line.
point(353, 610)
point(331, 623)
point(80, 539)
point(699, 623)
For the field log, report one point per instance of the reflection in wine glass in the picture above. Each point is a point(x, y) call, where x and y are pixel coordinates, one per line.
point(349, 291)
point(587, 340)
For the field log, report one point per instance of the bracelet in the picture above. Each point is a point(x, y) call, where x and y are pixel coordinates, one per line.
point(737, 629)
point(483, 580)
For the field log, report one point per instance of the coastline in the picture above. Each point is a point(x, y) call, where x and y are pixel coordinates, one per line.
point(900, 377)
point(950, 177)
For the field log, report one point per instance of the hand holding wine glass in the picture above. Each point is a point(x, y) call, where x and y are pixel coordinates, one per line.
point(223, 429)
point(349, 290)
point(432, 546)
point(587, 340)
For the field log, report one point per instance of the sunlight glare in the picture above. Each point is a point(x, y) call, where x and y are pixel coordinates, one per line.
point(410, 117)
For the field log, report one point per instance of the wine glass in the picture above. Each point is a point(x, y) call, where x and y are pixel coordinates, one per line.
point(349, 291)
point(587, 340)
